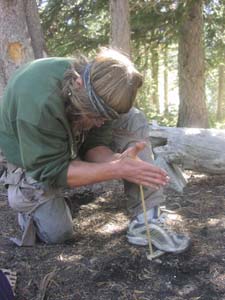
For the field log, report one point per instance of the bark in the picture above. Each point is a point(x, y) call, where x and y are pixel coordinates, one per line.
point(34, 28)
point(196, 149)
point(17, 36)
point(120, 25)
point(192, 109)
point(155, 78)
point(165, 75)
point(221, 93)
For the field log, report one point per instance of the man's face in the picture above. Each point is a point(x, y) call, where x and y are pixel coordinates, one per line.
point(89, 121)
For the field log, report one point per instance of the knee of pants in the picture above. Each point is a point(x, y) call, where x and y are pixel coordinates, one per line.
point(54, 222)
point(139, 123)
point(136, 120)
point(56, 237)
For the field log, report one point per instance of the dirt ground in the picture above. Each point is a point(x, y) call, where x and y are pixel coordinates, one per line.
point(100, 265)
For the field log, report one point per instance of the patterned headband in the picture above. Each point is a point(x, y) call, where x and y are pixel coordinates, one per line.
point(97, 102)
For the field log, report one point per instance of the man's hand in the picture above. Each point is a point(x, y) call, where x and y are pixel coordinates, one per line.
point(102, 164)
point(135, 170)
point(132, 152)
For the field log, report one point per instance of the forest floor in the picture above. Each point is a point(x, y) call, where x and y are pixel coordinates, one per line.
point(100, 264)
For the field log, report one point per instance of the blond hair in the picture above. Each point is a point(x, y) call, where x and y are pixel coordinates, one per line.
point(113, 77)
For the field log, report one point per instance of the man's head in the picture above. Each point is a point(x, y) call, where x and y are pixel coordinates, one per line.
point(105, 87)
point(115, 79)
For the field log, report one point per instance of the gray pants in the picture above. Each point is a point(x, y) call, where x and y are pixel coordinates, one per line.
point(45, 213)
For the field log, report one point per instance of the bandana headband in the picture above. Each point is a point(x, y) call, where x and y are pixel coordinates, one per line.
point(97, 102)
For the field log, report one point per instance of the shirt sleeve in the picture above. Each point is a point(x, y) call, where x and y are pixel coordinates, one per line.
point(44, 154)
point(101, 136)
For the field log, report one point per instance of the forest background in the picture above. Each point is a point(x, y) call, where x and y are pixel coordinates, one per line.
point(179, 46)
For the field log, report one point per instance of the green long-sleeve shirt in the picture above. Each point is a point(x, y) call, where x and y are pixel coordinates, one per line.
point(34, 131)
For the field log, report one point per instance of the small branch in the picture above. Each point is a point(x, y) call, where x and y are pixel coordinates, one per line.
point(46, 281)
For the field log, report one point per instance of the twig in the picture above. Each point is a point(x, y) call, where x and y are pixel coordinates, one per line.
point(146, 221)
point(46, 281)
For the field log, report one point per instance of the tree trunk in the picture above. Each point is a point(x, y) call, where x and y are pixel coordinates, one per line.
point(21, 39)
point(165, 75)
point(221, 93)
point(197, 149)
point(34, 28)
point(192, 109)
point(120, 25)
point(155, 78)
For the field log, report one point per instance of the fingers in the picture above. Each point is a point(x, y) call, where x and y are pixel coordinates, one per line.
point(146, 174)
point(148, 169)
point(149, 182)
point(148, 178)
point(138, 147)
point(146, 184)
point(133, 151)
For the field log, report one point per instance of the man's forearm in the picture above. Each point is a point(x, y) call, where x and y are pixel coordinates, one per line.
point(82, 173)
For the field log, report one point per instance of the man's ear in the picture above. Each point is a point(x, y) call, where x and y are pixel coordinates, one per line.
point(79, 82)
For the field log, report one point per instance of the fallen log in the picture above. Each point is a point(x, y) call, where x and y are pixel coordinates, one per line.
point(196, 149)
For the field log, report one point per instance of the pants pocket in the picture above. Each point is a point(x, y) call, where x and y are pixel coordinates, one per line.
point(20, 199)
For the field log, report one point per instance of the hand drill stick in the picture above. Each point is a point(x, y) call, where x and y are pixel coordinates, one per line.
point(152, 254)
